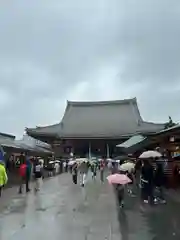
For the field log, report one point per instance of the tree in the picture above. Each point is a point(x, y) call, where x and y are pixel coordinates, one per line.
point(169, 124)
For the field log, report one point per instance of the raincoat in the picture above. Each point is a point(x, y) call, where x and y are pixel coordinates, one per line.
point(3, 175)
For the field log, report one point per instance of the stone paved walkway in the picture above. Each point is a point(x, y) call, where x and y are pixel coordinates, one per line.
point(62, 211)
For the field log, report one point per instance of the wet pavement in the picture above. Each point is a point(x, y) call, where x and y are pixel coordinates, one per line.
point(65, 211)
point(61, 210)
point(144, 222)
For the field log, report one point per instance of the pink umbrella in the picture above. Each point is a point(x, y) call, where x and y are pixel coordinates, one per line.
point(118, 179)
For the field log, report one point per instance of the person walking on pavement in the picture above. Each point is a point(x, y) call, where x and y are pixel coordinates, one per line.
point(120, 194)
point(28, 173)
point(93, 170)
point(3, 176)
point(159, 181)
point(102, 166)
point(83, 168)
point(25, 174)
point(147, 180)
point(22, 174)
point(38, 173)
point(64, 166)
point(74, 173)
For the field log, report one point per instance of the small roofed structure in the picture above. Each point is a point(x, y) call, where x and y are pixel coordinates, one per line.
point(134, 144)
point(9, 143)
point(103, 120)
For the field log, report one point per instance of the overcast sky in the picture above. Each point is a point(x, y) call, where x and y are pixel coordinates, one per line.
point(55, 50)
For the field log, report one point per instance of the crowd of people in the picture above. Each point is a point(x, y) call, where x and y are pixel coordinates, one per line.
point(82, 168)
point(29, 168)
point(148, 177)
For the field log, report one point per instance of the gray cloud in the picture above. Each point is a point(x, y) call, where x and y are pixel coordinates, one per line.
point(57, 50)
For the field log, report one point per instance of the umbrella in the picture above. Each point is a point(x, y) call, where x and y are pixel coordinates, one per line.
point(57, 161)
point(81, 159)
point(109, 159)
point(150, 154)
point(51, 162)
point(118, 179)
point(127, 167)
point(71, 162)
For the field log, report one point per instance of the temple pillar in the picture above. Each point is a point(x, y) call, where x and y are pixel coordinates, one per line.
point(89, 155)
point(107, 150)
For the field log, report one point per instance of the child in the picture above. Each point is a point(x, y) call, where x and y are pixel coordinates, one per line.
point(120, 194)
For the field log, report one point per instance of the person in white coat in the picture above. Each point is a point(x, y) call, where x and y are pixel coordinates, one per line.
point(38, 173)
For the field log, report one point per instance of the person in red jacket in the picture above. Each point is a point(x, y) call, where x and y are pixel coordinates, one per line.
point(24, 178)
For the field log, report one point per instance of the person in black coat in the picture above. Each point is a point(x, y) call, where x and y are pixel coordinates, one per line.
point(74, 173)
point(159, 180)
point(147, 182)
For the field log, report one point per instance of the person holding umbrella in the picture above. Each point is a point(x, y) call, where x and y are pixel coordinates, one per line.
point(147, 182)
point(74, 173)
point(128, 168)
point(120, 189)
point(119, 181)
point(93, 170)
point(147, 175)
point(159, 181)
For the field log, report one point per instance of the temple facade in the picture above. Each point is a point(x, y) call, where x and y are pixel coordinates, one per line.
point(95, 128)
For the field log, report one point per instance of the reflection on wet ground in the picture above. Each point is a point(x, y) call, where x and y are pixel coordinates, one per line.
point(142, 221)
point(66, 211)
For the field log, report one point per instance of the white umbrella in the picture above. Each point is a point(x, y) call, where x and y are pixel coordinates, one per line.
point(150, 154)
point(109, 159)
point(57, 161)
point(51, 162)
point(80, 160)
point(71, 162)
point(129, 166)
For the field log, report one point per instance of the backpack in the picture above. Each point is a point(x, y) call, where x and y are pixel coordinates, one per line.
point(22, 170)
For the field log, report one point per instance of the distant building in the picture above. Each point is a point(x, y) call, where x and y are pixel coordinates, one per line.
point(95, 128)
point(7, 136)
point(28, 140)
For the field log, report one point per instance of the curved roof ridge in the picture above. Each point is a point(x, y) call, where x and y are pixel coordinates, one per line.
point(149, 122)
point(89, 103)
point(44, 126)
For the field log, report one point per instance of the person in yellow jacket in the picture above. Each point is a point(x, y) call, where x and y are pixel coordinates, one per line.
point(3, 176)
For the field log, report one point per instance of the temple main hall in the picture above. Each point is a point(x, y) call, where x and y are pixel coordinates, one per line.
point(93, 129)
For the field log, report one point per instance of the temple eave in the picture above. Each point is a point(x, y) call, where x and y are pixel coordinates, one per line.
point(87, 136)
